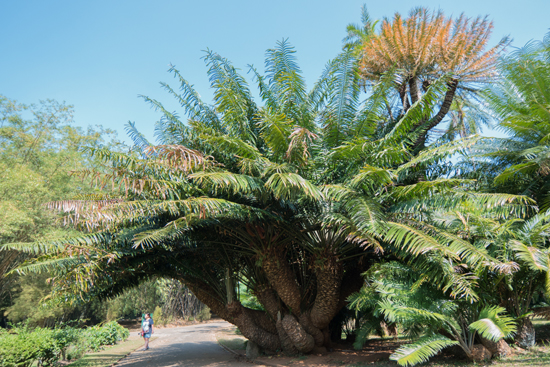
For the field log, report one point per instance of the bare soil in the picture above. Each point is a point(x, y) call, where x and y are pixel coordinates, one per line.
point(342, 354)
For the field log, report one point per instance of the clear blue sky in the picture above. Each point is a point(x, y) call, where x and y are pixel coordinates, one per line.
point(100, 55)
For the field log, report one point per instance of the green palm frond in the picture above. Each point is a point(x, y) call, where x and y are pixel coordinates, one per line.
point(493, 325)
point(425, 189)
point(535, 258)
point(92, 242)
point(372, 178)
point(340, 99)
point(414, 241)
point(223, 181)
point(291, 186)
point(225, 144)
point(138, 138)
point(420, 112)
point(275, 130)
point(421, 350)
point(373, 113)
point(433, 155)
point(398, 313)
point(286, 82)
point(192, 104)
point(232, 98)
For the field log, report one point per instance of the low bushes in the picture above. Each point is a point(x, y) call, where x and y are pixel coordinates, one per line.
point(23, 346)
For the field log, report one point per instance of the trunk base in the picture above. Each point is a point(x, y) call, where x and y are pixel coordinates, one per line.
point(525, 336)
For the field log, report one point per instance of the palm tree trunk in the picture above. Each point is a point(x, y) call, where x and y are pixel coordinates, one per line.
point(329, 280)
point(525, 336)
point(413, 90)
point(443, 110)
point(283, 280)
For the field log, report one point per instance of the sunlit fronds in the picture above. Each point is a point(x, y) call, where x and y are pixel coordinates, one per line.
point(179, 157)
point(232, 97)
point(535, 258)
point(493, 325)
point(83, 244)
point(222, 181)
point(339, 98)
point(291, 186)
point(421, 350)
point(226, 144)
point(414, 241)
point(286, 81)
point(433, 155)
point(138, 138)
point(425, 189)
point(372, 178)
point(190, 100)
point(275, 129)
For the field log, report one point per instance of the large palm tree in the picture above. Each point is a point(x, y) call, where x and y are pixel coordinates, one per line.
point(293, 199)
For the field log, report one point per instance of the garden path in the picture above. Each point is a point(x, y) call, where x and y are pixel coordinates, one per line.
point(190, 346)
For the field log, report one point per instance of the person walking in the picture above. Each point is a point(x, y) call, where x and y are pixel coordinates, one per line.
point(147, 329)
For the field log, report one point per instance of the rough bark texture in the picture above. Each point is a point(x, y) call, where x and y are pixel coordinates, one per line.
point(413, 89)
point(207, 296)
point(329, 280)
point(286, 343)
point(301, 340)
point(480, 353)
point(282, 279)
point(261, 319)
point(525, 336)
point(501, 349)
point(404, 97)
point(317, 334)
point(245, 321)
point(443, 110)
point(268, 299)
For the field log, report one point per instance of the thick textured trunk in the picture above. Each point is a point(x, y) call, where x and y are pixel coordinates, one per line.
point(525, 336)
point(318, 337)
point(246, 320)
point(268, 299)
point(413, 88)
point(254, 325)
point(329, 280)
point(500, 349)
point(300, 338)
point(404, 97)
point(443, 110)
point(207, 296)
point(286, 342)
point(283, 280)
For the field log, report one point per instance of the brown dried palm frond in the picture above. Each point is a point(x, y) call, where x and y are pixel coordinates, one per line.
point(427, 45)
point(180, 157)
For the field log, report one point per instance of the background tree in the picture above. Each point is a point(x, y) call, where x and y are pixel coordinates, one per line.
point(38, 149)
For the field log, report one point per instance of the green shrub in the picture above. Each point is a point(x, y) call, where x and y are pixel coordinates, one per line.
point(204, 314)
point(23, 346)
point(97, 336)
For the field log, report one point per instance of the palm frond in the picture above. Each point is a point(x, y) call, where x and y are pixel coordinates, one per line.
point(421, 350)
point(493, 325)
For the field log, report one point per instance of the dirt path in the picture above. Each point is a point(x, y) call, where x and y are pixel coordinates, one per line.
point(190, 346)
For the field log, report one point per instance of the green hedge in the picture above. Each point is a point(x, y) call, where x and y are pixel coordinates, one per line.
point(23, 346)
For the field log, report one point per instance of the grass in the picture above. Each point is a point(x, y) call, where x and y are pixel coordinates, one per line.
point(109, 356)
